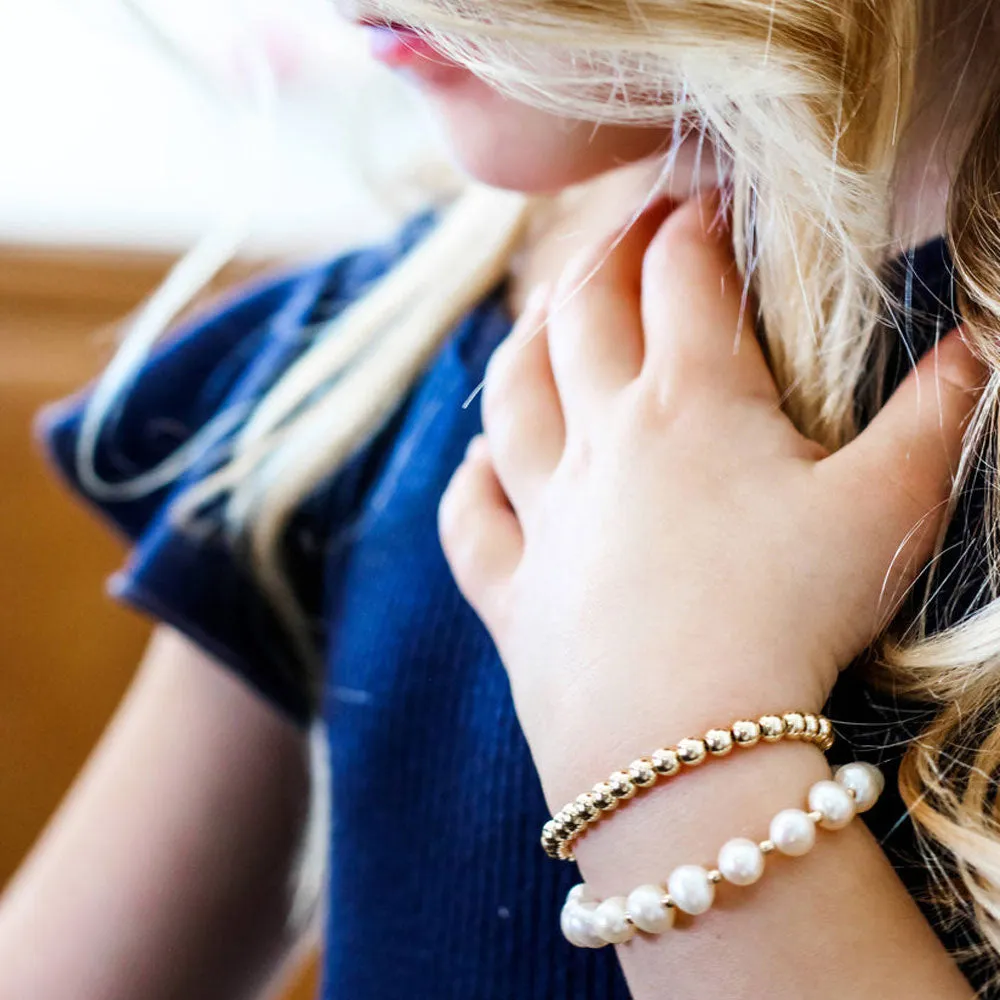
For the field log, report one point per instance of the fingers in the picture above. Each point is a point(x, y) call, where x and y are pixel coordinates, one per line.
point(479, 532)
point(522, 414)
point(697, 320)
point(595, 326)
point(901, 470)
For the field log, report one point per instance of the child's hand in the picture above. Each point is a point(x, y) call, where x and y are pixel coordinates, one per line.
point(674, 554)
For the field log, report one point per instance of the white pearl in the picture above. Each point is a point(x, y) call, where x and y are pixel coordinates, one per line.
point(834, 802)
point(610, 922)
point(741, 861)
point(691, 889)
point(866, 781)
point(793, 832)
point(577, 923)
point(645, 904)
point(581, 893)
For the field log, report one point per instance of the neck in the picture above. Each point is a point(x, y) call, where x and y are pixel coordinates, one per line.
point(956, 67)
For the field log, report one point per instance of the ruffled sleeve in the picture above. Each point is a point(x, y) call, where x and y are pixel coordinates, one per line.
point(216, 366)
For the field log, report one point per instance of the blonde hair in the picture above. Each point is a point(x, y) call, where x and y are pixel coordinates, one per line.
point(809, 99)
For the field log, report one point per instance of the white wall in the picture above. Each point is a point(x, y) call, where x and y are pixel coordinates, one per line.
point(108, 140)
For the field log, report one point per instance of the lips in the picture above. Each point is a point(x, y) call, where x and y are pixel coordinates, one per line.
point(402, 47)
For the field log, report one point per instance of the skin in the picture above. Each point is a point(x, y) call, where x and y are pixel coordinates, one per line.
point(563, 151)
point(166, 871)
point(636, 476)
point(601, 173)
point(165, 904)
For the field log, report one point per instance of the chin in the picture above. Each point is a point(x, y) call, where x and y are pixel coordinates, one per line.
point(510, 145)
point(516, 169)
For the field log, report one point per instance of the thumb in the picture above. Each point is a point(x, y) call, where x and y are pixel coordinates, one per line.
point(902, 467)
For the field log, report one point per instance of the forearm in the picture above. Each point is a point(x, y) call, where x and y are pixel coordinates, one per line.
point(167, 871)
point(837, 922)
point(657, 550)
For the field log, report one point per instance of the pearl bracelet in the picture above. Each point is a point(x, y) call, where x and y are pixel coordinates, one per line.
point(588, 809)
point(589, 923)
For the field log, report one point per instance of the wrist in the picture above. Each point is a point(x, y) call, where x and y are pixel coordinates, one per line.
point(607, 733)
point(688, 820)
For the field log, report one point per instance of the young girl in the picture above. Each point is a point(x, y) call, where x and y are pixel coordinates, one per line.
point(699, 499)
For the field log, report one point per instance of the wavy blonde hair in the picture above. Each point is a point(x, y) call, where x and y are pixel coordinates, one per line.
point(809, 99)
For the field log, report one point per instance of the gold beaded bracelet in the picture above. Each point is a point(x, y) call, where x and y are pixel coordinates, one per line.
point(588, 809)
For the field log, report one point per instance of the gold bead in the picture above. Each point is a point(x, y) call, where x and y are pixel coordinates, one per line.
point(795, 725)
point(567, 820)
point(812, 727)
point(746, 733)
point(586, 808)
point(715, 876)
point(719, 742)
point(603, 797)
point(766, 847)
point(666, 762)
point(622, 785)
point(772, 728)
point(558, 827)
point(825, 737)
point(691, 752)
point(642, 772)
point(581, 815)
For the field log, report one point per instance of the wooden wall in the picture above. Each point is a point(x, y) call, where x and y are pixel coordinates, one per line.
point(68, 652)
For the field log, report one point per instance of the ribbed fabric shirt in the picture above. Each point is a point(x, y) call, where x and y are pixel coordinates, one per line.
point(438, 888)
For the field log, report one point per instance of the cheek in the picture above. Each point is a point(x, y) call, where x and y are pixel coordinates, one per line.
point(510, 145)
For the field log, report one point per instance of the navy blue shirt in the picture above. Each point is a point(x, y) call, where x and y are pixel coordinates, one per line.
point(438, 886)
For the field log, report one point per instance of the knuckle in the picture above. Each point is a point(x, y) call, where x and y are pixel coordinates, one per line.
point(463, 544)
point(676, 233)
point(461, 525)
point(684, 235)
point(659, 250)
point(575, 297)
point(453, 509)
point(601, 276)
point(499, 382)
point(570, 324)
point(506, 431)
point(662, 396)
point(478, 449)
point(507, 402)
point(957, 366)
point(584, 268)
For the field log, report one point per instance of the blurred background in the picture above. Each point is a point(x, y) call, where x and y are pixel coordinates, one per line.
point(130, 130)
